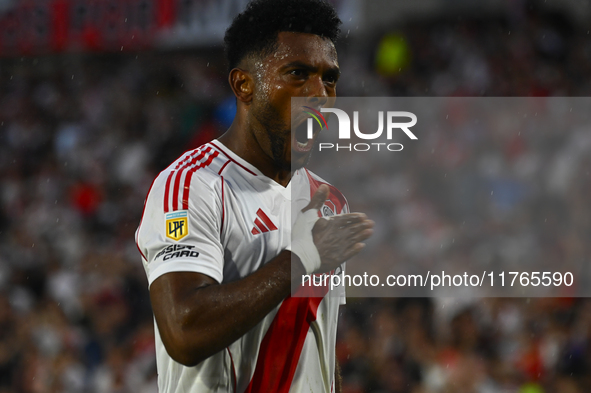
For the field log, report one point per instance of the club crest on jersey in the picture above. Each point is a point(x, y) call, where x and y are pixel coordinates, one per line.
point(328, 209)
point(177, 225)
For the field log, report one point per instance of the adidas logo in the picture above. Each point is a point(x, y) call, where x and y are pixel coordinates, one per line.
point(262, 224)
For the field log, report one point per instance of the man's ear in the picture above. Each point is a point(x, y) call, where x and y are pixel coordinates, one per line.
point(242, 84)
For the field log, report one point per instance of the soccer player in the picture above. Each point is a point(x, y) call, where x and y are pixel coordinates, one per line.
point(218, 236)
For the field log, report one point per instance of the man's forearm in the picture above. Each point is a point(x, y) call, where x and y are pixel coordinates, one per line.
point(197, 321)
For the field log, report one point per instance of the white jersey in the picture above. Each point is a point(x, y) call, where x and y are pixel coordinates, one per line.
point(213, 213)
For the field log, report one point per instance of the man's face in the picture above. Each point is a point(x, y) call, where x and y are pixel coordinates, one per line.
point(304, 65)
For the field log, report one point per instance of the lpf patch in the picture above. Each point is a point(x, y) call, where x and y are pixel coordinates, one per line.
point(177, 225)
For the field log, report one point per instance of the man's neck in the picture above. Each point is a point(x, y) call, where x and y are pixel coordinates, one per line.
point(246, 147)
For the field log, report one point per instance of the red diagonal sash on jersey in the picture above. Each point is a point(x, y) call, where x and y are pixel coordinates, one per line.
point(282, 345)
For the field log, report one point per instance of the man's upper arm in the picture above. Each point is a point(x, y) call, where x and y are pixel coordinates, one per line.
point(183, 240)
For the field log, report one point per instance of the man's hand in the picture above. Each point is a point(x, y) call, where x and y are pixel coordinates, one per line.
point(339, 237)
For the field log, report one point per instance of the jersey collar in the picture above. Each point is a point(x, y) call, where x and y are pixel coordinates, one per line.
point(252, 170)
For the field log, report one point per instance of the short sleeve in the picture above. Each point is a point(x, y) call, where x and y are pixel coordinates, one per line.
point(183, 240)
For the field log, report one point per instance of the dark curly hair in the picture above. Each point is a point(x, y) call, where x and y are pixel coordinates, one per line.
point(255, 30)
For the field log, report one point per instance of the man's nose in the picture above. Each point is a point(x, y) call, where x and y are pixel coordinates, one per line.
point(316, 94)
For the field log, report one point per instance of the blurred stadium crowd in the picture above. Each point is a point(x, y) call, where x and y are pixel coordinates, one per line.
point(82, 136)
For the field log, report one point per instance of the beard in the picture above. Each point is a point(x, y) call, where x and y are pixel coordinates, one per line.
point(277, 132)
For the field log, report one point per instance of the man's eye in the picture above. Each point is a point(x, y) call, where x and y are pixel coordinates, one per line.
point(331, 78)
point(298, 72)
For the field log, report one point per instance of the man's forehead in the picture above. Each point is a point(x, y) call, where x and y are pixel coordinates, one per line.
point(304, 47)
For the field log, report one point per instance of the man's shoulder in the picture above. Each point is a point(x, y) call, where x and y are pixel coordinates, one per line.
point(201, 164)
point(193, 175)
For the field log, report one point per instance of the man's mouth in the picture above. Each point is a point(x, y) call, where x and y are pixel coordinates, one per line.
point(299, 140)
